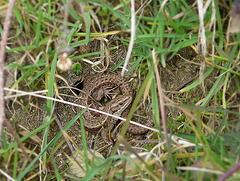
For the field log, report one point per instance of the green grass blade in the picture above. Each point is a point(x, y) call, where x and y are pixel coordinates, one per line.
point(117, 14)
point(88, 18)
point(15, 165)
point(213, 90)
point(84, 141)
point(23, 48)
point(57, 174)
point(38, 27)
point(51, 82)
point(40, 73)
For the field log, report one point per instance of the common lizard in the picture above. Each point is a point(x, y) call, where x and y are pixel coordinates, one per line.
point(93, 91)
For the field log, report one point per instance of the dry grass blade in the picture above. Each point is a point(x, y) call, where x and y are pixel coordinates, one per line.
point(6, 175)
point(161, 100)
point(133, 34)
point(77, 105)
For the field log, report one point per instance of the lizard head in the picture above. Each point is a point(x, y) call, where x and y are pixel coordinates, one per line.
point(119, 104)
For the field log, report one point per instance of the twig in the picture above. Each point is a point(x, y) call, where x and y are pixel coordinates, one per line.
point(230, 172)
point(2, 57)
point(133, 34)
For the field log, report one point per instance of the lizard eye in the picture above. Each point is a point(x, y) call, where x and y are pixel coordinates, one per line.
point(121, 103)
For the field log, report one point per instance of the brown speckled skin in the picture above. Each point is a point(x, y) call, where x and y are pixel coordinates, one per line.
point(91, 83)
point(91, 121)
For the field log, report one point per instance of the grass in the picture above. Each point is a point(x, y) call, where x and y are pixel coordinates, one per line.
point(201, 119)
